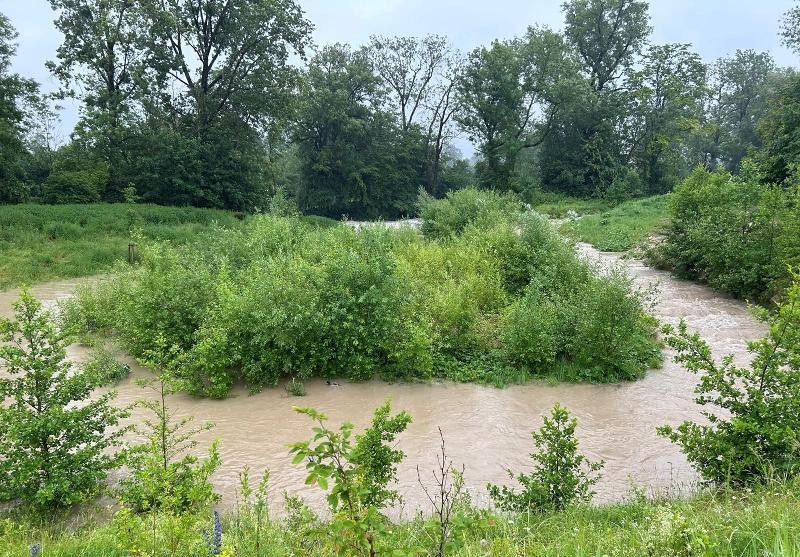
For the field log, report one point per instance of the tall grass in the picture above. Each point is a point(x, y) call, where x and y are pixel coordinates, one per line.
point(46, 242)
point(765, 522)
point(623, 227)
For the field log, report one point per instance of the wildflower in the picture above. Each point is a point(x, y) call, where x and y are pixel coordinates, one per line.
point(214, 542)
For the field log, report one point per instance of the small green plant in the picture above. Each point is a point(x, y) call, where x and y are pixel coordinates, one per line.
point(252, 511)
point(561, 477)
point(105, 367)
point(57, 441)
point(359, 474)
point(162, 475)
point(758, 437)
point(295, 387)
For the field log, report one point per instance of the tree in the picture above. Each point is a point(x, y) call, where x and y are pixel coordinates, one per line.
point(16, 93)
point(420, 76)
point(227, 56)
point(225, 81)
point(790, 28)
point(757, 438)
point(607, 35)
point(585, 153)
point(55, 445)
point(163, 476)
point(503, 88)
point(360, 473)
point(355, 159)
point(562, 476)
point(740, 88)
point(666, 93)
point(779, 130)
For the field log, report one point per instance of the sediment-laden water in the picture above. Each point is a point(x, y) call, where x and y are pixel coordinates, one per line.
point(486, 429)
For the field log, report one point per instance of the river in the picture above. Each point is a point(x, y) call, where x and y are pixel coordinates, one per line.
point(486, 429)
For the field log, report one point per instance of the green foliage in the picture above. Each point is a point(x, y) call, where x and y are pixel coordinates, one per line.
point(755, 437)
point(761, 522)
point(360, 473)
point(295, 387)
point(40, 243)
point(451, 215)
point(561, 476)
point(164, 475)
point(75, 181)
point(279, 298)
point(734, 233)
point(624, 227)
point(105, 367)
point(356, 161)
point(57, 440)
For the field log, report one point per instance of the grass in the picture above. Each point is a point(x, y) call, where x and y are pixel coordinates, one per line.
point(623, 227)
point(557, 206)
point(39, 243)
point(760, 523)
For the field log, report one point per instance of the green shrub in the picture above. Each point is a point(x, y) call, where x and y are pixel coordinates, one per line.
point(162, 476)
point(106, 368)
point(295, 388)
point(359, 473)
point(442, 218)
point(735, 233)
point(75, 186)
point(561, 476)
point(757, 437)
point(278, 298)
point(57, 441)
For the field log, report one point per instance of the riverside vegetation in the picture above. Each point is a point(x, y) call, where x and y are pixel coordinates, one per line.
point(748, 458)
point(487, 293)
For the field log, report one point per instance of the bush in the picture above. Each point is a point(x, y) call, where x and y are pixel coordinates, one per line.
point(442, 218)
point(561, 477)
point(75, 186)
point(105, 368)
point(360, 474)
point(757, 437)
point(735, 233)
point(162, 476)
point(55, 445)
point(279, 298)
point(295, 388)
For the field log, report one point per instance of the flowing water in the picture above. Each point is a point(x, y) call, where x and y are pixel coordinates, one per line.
point(486, 429)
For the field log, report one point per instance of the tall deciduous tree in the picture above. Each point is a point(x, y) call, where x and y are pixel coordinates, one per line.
point(666, 94)
point(355, 158)
point(420, 77)
point(16, 93)
point(585, 155)
point(607, 35)
point(510, 95)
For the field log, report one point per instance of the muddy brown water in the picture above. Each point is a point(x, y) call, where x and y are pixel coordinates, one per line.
point(486, 429)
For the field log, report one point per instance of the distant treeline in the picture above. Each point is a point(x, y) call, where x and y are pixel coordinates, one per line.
point(219, 103)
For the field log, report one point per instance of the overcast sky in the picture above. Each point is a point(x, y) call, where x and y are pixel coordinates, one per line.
point(715, 27)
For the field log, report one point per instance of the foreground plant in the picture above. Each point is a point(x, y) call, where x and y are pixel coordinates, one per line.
point(360, 473)
point(561, 477)
point(162, 474)
point(57, 443)
point(760, 438)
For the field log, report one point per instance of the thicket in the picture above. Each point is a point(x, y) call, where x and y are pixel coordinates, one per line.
point(733, 232)
point(499, 299)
